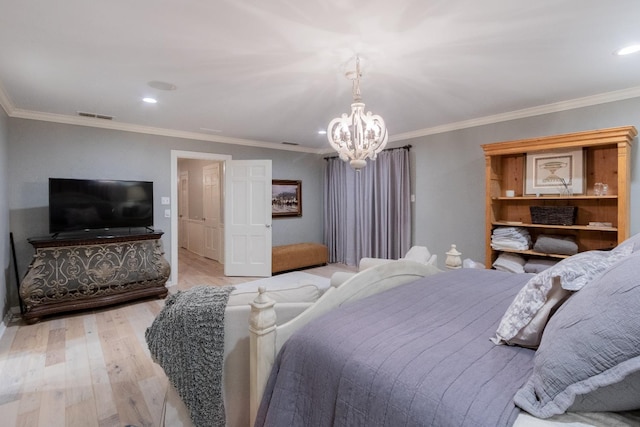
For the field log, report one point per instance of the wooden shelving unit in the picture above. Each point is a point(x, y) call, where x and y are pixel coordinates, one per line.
point(534, 253)
point(606, 159)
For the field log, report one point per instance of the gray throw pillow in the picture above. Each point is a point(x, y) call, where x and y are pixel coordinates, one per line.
point(574, 272)
point(589, 356)
point(633, 242)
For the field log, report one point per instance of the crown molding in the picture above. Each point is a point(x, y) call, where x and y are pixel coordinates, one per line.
point(5, 101)
point(126, 127)
point(619, 95)
point(555, 107)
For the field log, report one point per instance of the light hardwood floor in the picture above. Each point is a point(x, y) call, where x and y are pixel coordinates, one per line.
point(93, 368)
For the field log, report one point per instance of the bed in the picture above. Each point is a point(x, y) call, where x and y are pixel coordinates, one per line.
point(435, 352)
point(173, 327)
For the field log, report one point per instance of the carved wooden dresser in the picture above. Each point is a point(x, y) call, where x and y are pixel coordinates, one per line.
point(81, 272)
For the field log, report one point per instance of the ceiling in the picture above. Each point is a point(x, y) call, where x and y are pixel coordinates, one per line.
point(267, 72)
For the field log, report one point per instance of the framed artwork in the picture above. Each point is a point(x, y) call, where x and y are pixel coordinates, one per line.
point(286, 198)
point(557, 172)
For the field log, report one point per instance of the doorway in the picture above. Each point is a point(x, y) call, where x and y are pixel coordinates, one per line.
point(175, 208)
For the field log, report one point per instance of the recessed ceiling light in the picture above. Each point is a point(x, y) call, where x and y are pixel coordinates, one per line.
point(322, 132)
point(628, 49)
point(150, 100)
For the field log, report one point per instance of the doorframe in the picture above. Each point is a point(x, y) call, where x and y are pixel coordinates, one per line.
point(175, 181)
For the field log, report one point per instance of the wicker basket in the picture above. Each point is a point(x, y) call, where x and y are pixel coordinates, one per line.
point(553, 215)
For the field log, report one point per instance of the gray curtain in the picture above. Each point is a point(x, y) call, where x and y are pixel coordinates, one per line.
point(368, 213)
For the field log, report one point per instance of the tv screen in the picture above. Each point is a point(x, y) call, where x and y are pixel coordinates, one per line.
point(84, 204)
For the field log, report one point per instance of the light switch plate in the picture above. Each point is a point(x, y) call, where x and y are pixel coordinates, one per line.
point(167, 213)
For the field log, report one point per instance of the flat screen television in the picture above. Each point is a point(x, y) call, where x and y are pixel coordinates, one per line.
point(92, 204)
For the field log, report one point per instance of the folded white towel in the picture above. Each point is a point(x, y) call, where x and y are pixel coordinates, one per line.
point(512, 263)
point(520, 246)
point(510, 231)
point(511, 238)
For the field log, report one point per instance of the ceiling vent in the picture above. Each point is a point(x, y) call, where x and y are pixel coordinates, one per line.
point(94, 115)
point(161, 85)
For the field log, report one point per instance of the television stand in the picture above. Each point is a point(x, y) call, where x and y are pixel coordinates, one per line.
point(79, 272)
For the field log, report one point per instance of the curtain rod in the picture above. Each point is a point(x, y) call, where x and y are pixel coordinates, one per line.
point(406, 147)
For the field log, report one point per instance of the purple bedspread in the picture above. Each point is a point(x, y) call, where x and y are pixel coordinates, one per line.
point(417, 355)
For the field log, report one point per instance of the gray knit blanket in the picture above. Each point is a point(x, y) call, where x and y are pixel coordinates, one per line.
point(187, 340)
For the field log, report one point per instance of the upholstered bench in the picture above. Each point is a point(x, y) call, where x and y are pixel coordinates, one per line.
point(298, 255)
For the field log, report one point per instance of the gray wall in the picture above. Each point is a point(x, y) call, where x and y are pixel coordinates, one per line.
point(449, 173)
point(39, 150)
point(5, 258)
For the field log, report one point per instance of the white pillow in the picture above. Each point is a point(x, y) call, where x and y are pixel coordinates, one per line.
point(418, 254)
point(574, 272)
point(530, 335)
point(301, 293)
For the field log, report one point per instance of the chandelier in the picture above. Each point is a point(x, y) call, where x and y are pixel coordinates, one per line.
point(357, 136)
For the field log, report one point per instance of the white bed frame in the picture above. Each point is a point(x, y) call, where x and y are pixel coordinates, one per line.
point(266, 337)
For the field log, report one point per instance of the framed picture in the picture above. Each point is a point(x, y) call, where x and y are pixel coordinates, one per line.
point(557, 172)
point(286, 198)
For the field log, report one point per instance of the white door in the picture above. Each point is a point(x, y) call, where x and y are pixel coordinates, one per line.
point(211, 210)
point(183, 209)
point(247, 212)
